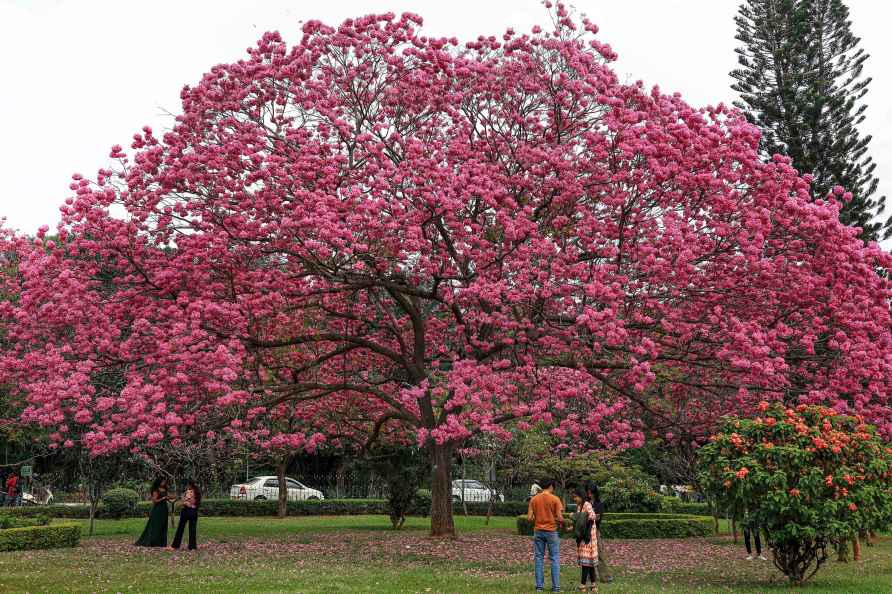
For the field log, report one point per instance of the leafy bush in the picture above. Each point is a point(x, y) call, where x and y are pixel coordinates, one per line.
point(403, 469)
point(809, 477)
point(629, 495)
point(119, 503)
point(637, 526)
point(40, 537)
point(675, 505)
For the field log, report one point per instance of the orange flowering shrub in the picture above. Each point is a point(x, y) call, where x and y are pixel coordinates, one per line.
point(809, 477)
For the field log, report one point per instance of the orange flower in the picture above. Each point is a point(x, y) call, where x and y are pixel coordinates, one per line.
point(828, 480)
point(771, 421)
point(794, 492)
point(853, 507)
point(741, 474)
point(763, 406)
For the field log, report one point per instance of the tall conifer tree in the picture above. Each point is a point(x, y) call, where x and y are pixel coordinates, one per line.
point(801, 80)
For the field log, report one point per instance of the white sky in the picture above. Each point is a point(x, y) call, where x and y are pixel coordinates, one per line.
point(80, 76)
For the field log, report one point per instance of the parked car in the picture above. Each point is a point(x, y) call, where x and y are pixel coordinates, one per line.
point(474, 491)
point(261, 488)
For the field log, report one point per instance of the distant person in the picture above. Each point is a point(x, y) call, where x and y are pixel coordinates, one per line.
point(547, 513)
point(750, 528)
point(155, 532)
point(591, 491)
point(188, 515)
point(12, 490)
point(586, 534)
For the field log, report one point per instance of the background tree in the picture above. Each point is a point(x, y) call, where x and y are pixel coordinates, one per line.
point(801, 81)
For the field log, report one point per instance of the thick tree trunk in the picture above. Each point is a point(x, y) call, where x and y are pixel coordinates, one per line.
point(441, 490)
point(856, 548)
point(282, 509)
point(734, 529)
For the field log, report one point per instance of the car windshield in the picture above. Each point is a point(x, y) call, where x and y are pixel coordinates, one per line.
point(295, 485)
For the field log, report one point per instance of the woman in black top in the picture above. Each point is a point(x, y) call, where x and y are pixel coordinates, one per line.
point(188, 515)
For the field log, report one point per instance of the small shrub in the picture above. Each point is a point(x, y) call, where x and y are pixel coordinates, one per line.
point(119, 503)
point(629, 495)
point(40, 537)
point(810, 477)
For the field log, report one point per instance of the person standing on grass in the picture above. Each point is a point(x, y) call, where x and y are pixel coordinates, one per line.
point(12, 485)
point(188, 515)
point(547, 514)
point(586, 540)
point(155, 532)
point(750, 528)
point(591, 491)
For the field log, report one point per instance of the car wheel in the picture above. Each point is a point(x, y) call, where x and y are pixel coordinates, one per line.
point(313, 498)
point(260, 498)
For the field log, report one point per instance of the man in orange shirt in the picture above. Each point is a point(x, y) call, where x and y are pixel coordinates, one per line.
point(547, 513)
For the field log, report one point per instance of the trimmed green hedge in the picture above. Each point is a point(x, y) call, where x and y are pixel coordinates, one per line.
point(677, 506)
point(10, 521)
point(53, 536)
point(242, 507)
point(637, 526)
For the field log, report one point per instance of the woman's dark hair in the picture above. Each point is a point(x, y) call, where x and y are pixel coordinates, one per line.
point(592, 489)
point(192, 485)
point(582, 494)
point(156, 484)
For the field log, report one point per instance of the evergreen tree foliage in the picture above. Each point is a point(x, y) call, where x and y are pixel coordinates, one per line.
point(801, 80)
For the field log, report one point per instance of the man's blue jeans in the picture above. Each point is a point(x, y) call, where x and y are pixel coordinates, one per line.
point(541, 539)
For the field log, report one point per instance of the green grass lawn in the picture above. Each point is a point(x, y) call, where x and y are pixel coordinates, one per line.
point(361, 554)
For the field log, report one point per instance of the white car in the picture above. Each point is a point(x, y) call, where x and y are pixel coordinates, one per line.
point(261, 488)
point(474, 491)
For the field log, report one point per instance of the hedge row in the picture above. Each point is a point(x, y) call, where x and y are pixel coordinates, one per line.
point(11, 521)
point(637, 526)
point(242, 507)
point(53, 536)
point(675, 505)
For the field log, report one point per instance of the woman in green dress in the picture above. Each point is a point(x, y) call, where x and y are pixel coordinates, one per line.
point(155, 533)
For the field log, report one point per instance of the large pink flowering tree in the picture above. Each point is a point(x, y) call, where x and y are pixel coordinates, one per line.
point(380, 235)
